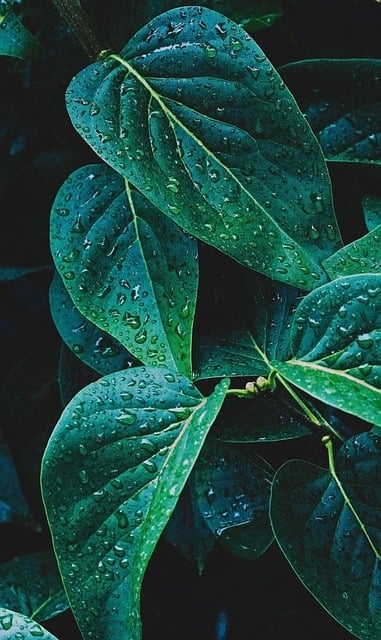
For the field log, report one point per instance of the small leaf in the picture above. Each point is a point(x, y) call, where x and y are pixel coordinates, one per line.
point(195, 116)
point(333, 544)
point(233, 491)
point(32, 585)
point(94, 347)
point(336, 340)
point(15, 39)
point(361, 256)
point(112, 473)
point(129, 270)
point(341, 99)
point(14, 626)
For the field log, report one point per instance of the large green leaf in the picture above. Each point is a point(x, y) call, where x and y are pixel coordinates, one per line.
point(31, 584)
point(94, 347)
point(336, 339)
point(332, 540)
point(341, 99)
point(197, 118)
point(15, 39)
point(233, 490)
point(112, 473)
point(15, 626)
point(360, 256)
point(128, 269)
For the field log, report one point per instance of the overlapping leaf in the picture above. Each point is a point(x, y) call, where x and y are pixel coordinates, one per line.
point(15, 39)
point(128, 269)
point(372, 211)
point(197, 118)
point(341, 99)
point(112, 473)
point(332, 540)
point(336, 339)
point(360, 256)
point(94, 347)
point(14, 626)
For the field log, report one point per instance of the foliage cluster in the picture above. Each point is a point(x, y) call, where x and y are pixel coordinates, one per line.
point(192, 335)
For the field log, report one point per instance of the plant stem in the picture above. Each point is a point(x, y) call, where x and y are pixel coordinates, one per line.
point(82, 27)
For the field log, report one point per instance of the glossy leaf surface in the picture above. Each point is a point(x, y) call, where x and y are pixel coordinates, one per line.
point(336, 339)
point(94, 347)
point(31, 584)
point(341, 99)
point(360, 256)
point(372, 211)
point(128, 269)
point(334, 545)
point(132, 438)
point(14, 626)
point(15, 39)
point(233, 490)
point(195, 116)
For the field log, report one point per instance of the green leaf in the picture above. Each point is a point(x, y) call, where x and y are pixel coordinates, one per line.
point(130, 271)
point(14, 626)
point(32, 585)
point(334, 544)
point(372, 211)
point(233, 490)
point(94, 347)
point(196, 117)
point(336, 340)
point(341, 99)
point(266, 336)
point(112, 473)
point(360, 256)
point(15, 39)
point(13, 505)
point(12, 273)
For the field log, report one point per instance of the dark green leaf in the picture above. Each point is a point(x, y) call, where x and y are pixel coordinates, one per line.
point(233, 489)
point(360, 256)
point(12, 273)
point(13, 505)
point(94, 347)
point(14, 626)
point(128, 269)
point(372, 211)
point(31, 584)
point(336, 339)
point(341, 99)
point(332, 543)
point(15, 39)
point(112, 473)
point(197, 118)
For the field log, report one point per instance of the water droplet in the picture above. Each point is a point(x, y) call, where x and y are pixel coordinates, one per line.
point(126, 418)
point(365, 341)
point(173, 185)
point(141, 337)
point(83, 476)
point(210, 50)
point(150, 466)
point(121, 519)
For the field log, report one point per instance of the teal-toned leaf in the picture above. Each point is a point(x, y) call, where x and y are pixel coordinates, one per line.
point(360, 256)
point(372, 211)
point(12, 273)
point(72, 375)
point(246, 351)
point(336, 339)
point(341, 99)
point(32, 585)
point(128, 269)
point(269, 416)
point(187, 530)
point(197, 118)
point(94, 347)
point(233, 490)
point(112, 473)
point(14, 626)
point(334, 543)
point(15, 39)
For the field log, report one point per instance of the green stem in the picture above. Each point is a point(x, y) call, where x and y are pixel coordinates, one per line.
point(331, 463)
point(82, 27)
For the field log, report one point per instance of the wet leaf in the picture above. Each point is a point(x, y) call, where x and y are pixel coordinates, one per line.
point(112, 473)
point(233, 490)
point(129, 270)
point(336, 340)
point(360, 256)
point(94, 347)
point(196, 117)
point(372, 211)
point(14, 626)
point(334, 544)
point(341, 99)
point(31, 584)
point(15, 39)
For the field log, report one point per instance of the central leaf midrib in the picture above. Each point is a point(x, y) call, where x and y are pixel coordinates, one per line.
point(173, 119)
